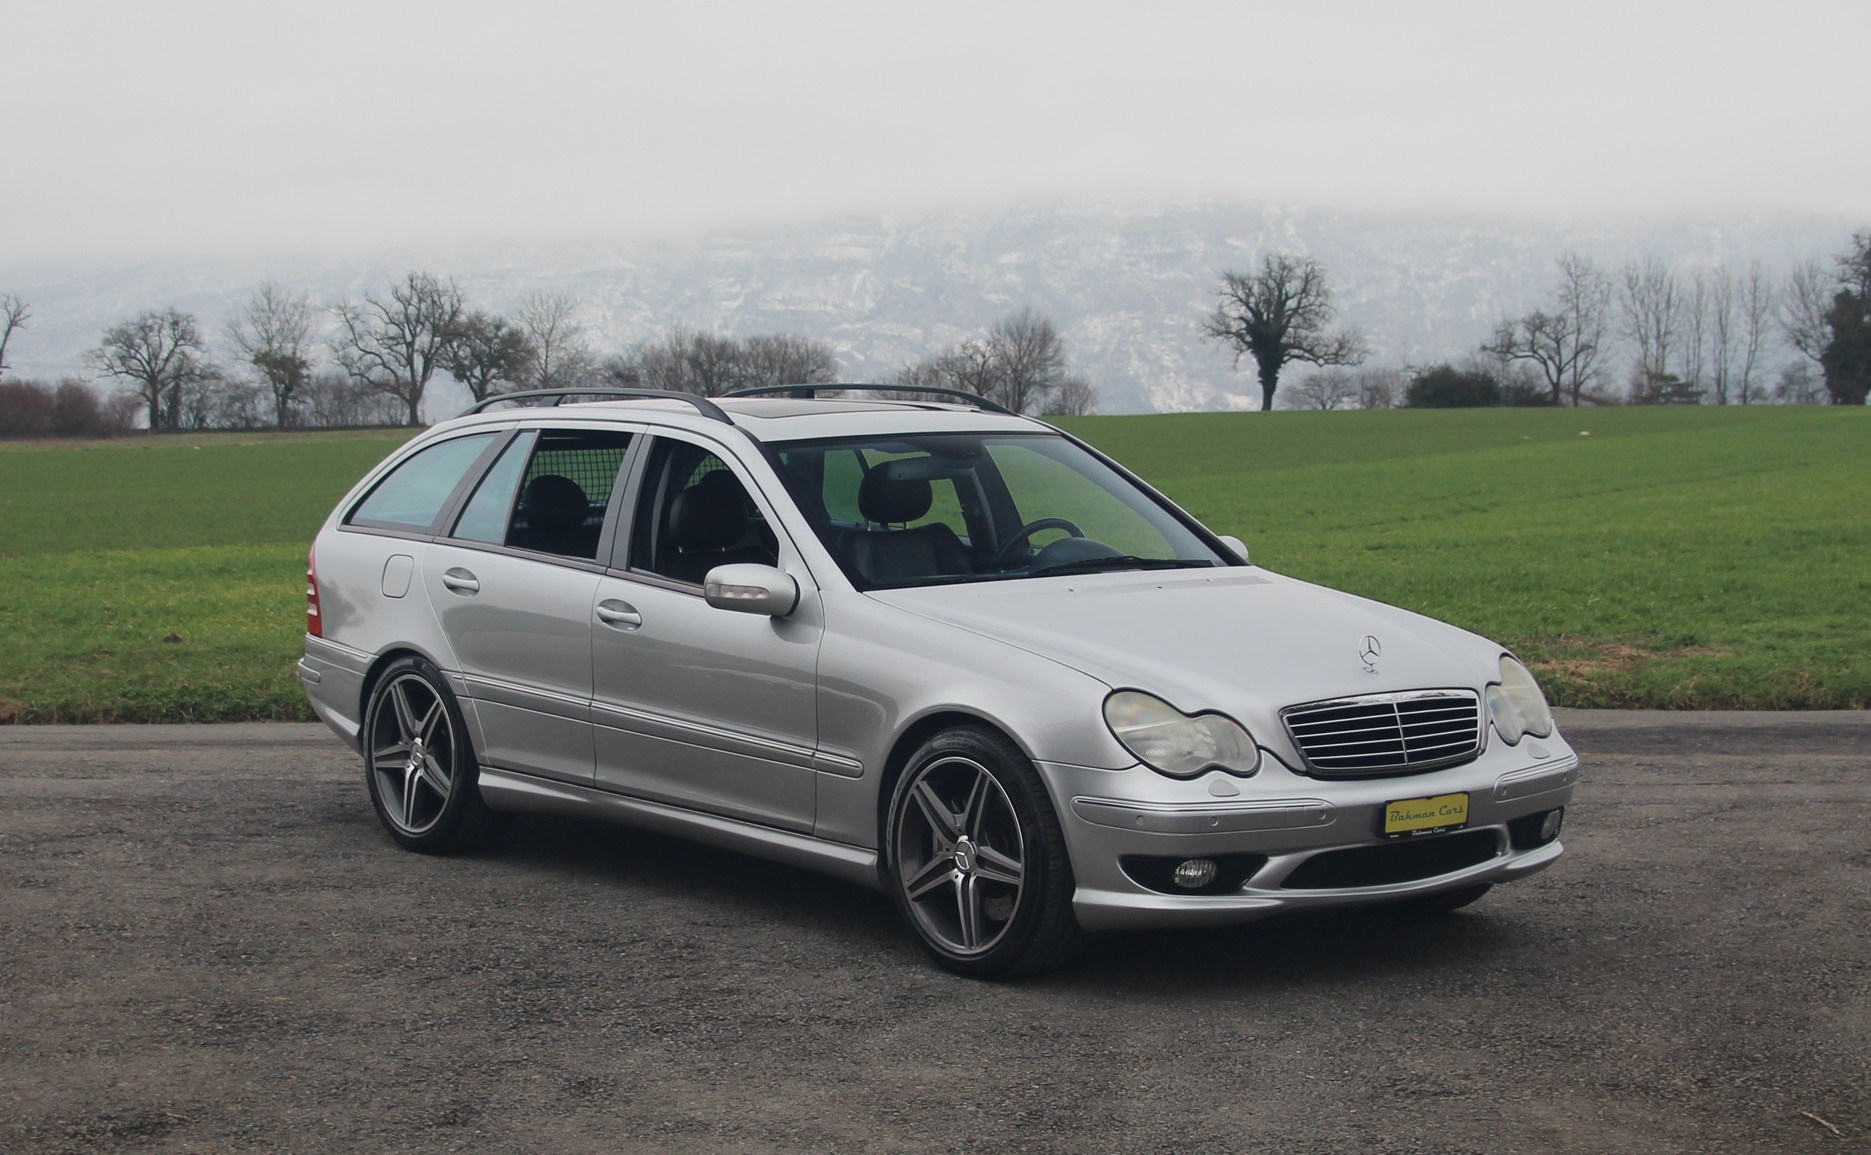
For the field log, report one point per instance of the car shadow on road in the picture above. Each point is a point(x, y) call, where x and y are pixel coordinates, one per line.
point(1295, 950)
point(1283, 952)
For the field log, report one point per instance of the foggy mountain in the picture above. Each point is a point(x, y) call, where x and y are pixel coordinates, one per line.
point(1128, 286)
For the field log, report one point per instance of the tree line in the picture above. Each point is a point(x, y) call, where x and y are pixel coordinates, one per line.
point(374, 360)
point(1704, 335)
point(1707, 334)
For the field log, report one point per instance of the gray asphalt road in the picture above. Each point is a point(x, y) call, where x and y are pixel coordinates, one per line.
point(206, 944)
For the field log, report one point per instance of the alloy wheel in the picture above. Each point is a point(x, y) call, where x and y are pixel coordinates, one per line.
point(412, 753)
point(960, 857)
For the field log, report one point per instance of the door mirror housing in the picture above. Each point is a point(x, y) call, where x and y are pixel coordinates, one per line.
point(1237, 545)
point(751, 588)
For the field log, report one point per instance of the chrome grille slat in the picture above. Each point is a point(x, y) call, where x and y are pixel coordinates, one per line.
point(1382, 734)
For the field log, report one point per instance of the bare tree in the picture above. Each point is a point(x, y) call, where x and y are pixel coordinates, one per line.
point(1654, 312)
point(1327, 389)
point(1380, 387)
point(274, 335)
point(1278, 315)
point(690, 362)
point(1722, 309)
point(335, 400)
point(161, 355)
point(1019, 363)
point(395, 343)
point(786, 359)
point(1028, 357)
point(1075, 397)
point(683, 360)
point(1565, 341)
point(485, 353)
point(1757, 303)
point(930, 373)
point(1799, 385)
point(560, 358)
point(1803, 309)
point(14, 313)
point(1695, 326)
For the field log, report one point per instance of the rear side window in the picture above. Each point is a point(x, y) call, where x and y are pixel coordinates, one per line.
point(485, 517)
point(548, 494)
point(413, 495)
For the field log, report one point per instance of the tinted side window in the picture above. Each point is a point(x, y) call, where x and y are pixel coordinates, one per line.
point(486, 514)
point(555, 503)
point(694, 515)
point(413, 495)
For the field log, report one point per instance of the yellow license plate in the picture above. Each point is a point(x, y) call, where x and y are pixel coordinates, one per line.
point(1414, 816)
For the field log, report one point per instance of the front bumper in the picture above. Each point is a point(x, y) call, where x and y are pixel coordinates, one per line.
point(1108, 816)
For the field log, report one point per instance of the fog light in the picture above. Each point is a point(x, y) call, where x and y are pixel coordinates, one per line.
point(1195, 874)
point(1549, 829)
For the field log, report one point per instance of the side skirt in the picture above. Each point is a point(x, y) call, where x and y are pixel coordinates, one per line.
point(508, 790)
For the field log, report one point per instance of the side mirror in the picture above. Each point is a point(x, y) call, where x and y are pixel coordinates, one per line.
point(751, 588)
point(1237, 545)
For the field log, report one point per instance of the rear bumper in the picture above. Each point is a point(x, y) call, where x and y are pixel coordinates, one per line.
point(333, 677)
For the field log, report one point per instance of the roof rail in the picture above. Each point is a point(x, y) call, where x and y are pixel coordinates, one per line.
point(702, 405)
point(974, 399)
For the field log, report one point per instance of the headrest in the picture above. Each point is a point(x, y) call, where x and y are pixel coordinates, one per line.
point(893, 501)
point(554, 503)
point(709, 514)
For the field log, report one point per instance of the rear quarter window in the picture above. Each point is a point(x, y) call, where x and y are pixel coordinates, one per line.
point(413, 494)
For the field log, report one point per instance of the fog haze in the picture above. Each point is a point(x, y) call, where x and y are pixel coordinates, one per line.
point(208, 127)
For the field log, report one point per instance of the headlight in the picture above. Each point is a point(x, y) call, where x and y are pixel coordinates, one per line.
point(1168, 740)
point(1517, 704)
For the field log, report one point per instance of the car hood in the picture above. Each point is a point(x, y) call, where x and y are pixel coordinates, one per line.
point(1241, 640)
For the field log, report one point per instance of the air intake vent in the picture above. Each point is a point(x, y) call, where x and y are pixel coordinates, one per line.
point(1379, 734)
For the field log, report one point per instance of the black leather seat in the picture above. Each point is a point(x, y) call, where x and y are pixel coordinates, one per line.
point(555, 509)
point(709, 526)
point(900, 556)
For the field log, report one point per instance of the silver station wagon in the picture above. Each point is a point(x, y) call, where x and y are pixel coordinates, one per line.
point(928, 646)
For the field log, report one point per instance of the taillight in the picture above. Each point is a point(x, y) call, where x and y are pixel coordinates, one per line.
point(314, 625)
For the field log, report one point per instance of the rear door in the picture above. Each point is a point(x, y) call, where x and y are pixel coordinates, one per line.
point(514, 582)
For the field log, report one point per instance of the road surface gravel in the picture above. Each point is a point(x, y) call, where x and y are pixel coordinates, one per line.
point(207, 944)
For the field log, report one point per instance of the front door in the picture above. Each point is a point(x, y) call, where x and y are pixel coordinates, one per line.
point(699, 707)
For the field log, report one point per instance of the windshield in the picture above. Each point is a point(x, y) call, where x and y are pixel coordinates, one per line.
point(959, 507)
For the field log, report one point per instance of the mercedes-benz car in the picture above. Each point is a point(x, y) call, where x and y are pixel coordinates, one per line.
point(926, 645)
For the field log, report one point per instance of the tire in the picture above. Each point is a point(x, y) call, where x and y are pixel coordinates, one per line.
point(1443, 902)
point(418, 763)
point(975, 860)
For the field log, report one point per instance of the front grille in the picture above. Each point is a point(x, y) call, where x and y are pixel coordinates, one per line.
point(1394, 862)
point(1379, 734)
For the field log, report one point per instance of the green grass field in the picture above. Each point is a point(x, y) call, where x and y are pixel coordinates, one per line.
point(1688, 558)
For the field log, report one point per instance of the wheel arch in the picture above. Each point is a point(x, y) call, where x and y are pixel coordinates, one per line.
point(920, 730)
point(393, 654)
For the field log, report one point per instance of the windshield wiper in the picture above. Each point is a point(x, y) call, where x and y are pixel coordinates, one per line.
point(1122, 561)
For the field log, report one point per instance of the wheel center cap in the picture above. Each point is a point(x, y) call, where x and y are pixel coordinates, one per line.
point(965, 856)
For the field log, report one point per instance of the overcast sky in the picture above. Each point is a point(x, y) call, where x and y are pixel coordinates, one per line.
point(243, 127)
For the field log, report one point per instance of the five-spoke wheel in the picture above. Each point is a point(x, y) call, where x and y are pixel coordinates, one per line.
point(417, 761)
point(976, 859)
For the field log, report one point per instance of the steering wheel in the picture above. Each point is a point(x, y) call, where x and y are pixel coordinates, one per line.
point(999, 560)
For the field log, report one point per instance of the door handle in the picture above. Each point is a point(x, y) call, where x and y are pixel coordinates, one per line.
point(461, 581)
point(622, 615)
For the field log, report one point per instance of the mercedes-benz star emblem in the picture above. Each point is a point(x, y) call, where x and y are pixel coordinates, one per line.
point(1368, 652)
